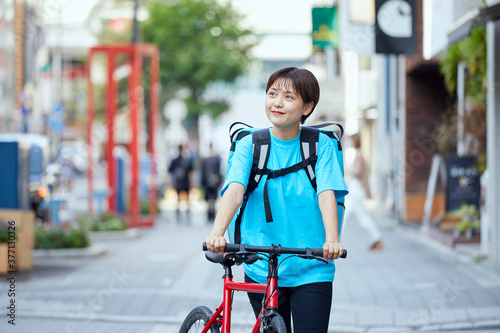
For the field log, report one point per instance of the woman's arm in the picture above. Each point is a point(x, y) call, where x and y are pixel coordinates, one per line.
point(332, 248)
point(230, 202)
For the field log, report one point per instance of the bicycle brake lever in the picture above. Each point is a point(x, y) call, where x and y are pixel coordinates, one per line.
point(311, 256)
point(246, 257)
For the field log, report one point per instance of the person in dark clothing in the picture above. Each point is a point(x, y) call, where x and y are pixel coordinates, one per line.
point(180, 170)
point(211, 179)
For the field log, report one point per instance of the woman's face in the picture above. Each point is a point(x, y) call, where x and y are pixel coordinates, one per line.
point(284, 107)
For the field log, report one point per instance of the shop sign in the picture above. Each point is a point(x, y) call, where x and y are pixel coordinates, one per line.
point(463, 182)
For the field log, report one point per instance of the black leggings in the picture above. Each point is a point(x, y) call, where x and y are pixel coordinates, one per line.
point(310, 305)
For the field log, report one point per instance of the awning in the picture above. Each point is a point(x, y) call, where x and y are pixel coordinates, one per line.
point(473, 19)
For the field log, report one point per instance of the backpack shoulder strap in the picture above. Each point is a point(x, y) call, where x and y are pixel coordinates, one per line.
point(309, 138)
point(261, 146)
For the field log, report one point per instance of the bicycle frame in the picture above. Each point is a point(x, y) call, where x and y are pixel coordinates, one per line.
point(270, 290)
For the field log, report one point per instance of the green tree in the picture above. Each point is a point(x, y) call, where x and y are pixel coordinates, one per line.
point(201, 42)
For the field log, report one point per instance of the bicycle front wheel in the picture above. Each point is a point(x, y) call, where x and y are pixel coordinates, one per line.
point(276, 325)
point(196, 321)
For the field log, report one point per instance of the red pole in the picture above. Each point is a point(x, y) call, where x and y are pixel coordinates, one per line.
point(153, 121)
point(134, 94)
point(110, 121)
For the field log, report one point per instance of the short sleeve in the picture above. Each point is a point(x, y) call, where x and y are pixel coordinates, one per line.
point(328, 172)
point(241, 164)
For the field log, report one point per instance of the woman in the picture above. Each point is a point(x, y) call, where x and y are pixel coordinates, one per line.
point(302, 217)
point(360, 191)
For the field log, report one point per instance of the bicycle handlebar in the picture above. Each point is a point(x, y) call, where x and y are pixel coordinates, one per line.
point(277, 249)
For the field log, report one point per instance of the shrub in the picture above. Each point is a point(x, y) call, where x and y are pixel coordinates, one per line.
point(145, 207)
point(4, 231)
point(104, 222)
point(60, 237)
point(77, 239)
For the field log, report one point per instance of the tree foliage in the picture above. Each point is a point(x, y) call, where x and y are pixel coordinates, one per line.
point(200, 42)
point(472, 53)
point(104, 31)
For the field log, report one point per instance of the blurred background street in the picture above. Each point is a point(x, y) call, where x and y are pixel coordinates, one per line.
point(114, 119)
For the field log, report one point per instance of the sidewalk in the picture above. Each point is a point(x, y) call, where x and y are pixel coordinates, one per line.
point(413, 284)
point(149, 284)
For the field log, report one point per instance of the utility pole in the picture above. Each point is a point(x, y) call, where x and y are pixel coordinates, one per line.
point(135, 28)
point(493, 146)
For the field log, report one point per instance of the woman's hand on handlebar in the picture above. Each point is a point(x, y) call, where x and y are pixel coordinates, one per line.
point(332, 250)
point(216, 244)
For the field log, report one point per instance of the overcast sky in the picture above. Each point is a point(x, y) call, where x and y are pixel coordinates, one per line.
point(263, 15)
point(278, 16)
point(274, 17)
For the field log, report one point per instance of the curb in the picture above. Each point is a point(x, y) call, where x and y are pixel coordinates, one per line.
point(91, 251)
point(115, 235)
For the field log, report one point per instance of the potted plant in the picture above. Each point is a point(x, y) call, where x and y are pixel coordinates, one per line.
point(460, 228)
point(470, 222)
point(476, 227)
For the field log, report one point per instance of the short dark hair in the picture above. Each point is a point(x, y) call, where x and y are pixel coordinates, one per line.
point(305, 83)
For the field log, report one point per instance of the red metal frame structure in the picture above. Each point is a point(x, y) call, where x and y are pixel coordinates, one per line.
point(135, 53)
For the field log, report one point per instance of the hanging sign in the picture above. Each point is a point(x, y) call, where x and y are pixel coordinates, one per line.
point(324, 32)
point(395, 26)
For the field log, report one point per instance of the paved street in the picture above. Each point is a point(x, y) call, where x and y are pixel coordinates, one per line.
point(148, 284)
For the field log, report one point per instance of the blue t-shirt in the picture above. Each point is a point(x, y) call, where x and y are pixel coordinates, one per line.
point(294, 205)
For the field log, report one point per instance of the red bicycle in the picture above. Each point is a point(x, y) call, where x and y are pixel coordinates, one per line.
point(202, 320)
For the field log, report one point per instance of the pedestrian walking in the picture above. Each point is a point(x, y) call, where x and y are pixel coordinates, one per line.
point(359, 190)
point(303, 217)
point(180, 170)
point(211, 180)
point(68, 173)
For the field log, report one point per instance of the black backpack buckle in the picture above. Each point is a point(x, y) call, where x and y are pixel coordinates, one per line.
point(275, 173)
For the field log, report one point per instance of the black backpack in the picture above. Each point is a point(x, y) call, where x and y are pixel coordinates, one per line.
point(261, 138)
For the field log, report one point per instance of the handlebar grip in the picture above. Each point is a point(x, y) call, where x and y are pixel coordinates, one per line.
point(319, 253)
point(228, 248)
point(232, 247)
